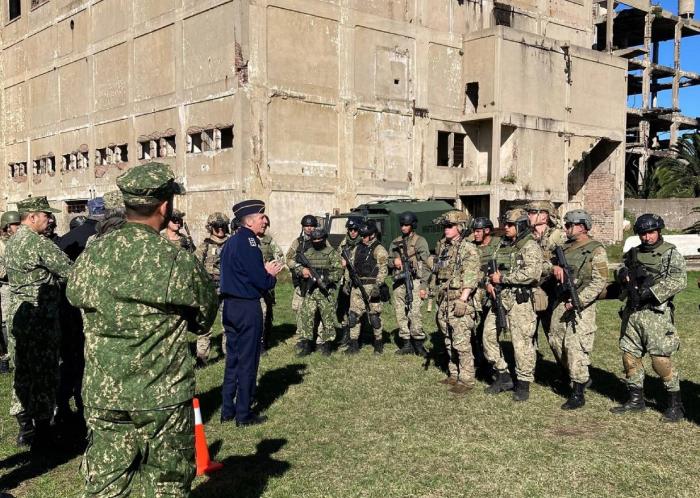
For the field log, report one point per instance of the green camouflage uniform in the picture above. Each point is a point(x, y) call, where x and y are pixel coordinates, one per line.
point(411, 325)
point(326, 262)
point(651, 329)
point(140, 295)
point(571, 336)
point(371, 264)
point(270, 252)
point(343, 296)
point(457, 268)
point(209, 255)
point(4, 293)
point(35, 267)
point(523, 268)
point(292, 264)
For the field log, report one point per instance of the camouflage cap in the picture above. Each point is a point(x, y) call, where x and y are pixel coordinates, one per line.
point(113, 200)
point(149, 183)
point(35, 205)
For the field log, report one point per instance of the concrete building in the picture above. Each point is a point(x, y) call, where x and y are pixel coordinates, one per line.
point(314, 105)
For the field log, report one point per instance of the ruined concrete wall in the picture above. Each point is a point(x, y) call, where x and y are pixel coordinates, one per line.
point(677, 213)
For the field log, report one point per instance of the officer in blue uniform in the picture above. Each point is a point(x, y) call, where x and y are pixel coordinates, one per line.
point(244, 280)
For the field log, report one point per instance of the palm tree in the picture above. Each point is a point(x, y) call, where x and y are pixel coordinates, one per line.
point(679, 176)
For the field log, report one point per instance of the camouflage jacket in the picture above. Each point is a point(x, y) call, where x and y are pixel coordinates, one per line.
point(457, 267)
point(550, 238)
point(270, 250)
point(525, 265)
point(209, 255)
point(418, 255)
point(3, 270)
point(139, 295)
point(35, 266)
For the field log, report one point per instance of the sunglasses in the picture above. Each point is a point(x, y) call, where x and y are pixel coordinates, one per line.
point(177, 221)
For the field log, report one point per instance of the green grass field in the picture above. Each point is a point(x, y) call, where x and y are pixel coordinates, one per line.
point(383, 427)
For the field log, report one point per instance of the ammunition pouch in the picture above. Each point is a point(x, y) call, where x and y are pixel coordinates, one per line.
point(384, 293)
point(375, 320)
point(522, 294)
point(353, 319)
point(540, 300)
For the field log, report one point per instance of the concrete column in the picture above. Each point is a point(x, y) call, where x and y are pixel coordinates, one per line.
point(609, 19)
point(495, 168)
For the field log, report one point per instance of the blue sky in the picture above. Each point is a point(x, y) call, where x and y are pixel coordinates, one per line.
point(690, 61)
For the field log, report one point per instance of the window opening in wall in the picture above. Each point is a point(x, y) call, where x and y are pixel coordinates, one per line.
point(194, 143)
point(14, 9)
point(166, 146)
point(101, 156)
point(76, 207)
point(209, 140)
point(443, 148)
point(226, 137)
point(36, 3)
point(147, 149)
point(18, 169)
point(450, 149)
point(473, 95)
point(458, 150)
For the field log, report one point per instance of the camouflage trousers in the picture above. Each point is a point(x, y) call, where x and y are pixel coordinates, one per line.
point(653, 333)
point(297, 300)
point(411, 325)
point(571, 338)
point(357, 310)
point(314, 302)
point(4, 310)
point(522, 324)
point(204, 343)
point(144, 452)
point(458, 333)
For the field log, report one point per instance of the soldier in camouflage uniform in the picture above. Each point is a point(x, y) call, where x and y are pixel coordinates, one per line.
point(519, 261)
point(173, 234)
point(653, 273)
point(457, 275)
point(35, 266)
point(271, 252)
point(572, 332)
point(351, 239)
point(369, 258)
point(209, 255)
point(413, 248)
point(114, 216)
point(9, 224)
point(140, 296)
point(325, 261)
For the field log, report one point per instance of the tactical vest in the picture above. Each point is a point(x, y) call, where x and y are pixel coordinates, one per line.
point(507, 255)
point(411, 242)
point(488, 250)
point(580, 257)
point(211, 256)
point(545, 242)
point(364, 261)
point(350, 243)
point(266, 249)
point(319, 258)
point(651, 260)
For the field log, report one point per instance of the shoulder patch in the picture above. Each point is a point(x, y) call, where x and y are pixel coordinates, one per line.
point(252, 242)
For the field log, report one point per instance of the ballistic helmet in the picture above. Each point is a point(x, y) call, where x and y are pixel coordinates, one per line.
point(309, 220)
point(579, 217)
point(455, 217)
point(353, 223)
point(318, 234)
point(518, 217)
point(648, 223)
point(8, 218)
point(217, 220)
point(482, 222)
point(76, 222)
point(540, 206)
point(408, 218)
point(369, 227)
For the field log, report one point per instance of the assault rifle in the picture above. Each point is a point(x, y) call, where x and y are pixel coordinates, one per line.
point(568, 287)
point(189, 243)
point(405, 275)
point(639, 280)
point(315, 278)
point(355, 279)
point(498, 309)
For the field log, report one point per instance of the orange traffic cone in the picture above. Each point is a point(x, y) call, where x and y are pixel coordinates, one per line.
point(201, 450)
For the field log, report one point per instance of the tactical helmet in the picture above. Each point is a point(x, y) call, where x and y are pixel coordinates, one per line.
point(217, 220)
point(309, 220)
point(318, 234)
point(76, 222)
point(408, 218)
point(482, 222)
point(235, 224)
point(353, 223)
point(518, 217)
point(8, 218)
point(369, 227)
point(455, 217)
point(579, 217)
point(648, 222)
point(540, 206)
point(177, 215)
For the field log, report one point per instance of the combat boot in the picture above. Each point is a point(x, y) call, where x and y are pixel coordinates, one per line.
point(576, 399)
point(304, 348)
point(502, 383)
point(378, 346)
point(353, 347)
point(419, 348)
point(448, 381)
point(406, 347)
point(461, 388)
point(674, 412)
point(522, 391)
point(634, 404)
point(42, 436)
point(345, 339)
point(25, 435)
point(325, 349)
point(5, 365)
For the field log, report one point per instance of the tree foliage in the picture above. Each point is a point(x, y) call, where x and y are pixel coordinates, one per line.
point(679, 176)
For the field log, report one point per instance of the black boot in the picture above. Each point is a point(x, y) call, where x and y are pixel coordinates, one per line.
point(25, 435)
point(5, 365)
point(419, 348)
point(304, 348)
point(353, 347)
point(522, 391)
point(345, 340)
point(379, 346)
point(406, 347)
point(576, 399)
point(502, 383)
point(674, 412)
point(325, 349)
point(42, 436)
point(634, 404)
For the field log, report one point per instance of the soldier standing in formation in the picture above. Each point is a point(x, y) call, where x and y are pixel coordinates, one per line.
point(457, 275)
point(572, 331)
point(653, 273)
point(35, 266)
point(318, 292)
point(519, 261)
point(411, 247)
point(114, 216)
point(369, 259)
point(271, 252)
point(350, 240)
point(139, 375)
point(209, 254)
point(9, 223)
point(173, 234)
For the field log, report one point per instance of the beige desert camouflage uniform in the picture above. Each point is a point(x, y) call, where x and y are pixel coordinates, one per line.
point(411, 325)
point(371, 280)
point(209, 254)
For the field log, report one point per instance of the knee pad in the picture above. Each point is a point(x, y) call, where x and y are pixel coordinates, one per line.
point(663, 367)
point(353, 319)
point(631, 364)
point(375, 320)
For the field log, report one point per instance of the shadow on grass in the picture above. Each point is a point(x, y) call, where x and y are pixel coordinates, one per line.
point(280, 334)
point(271, 386)
point(246, 476)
